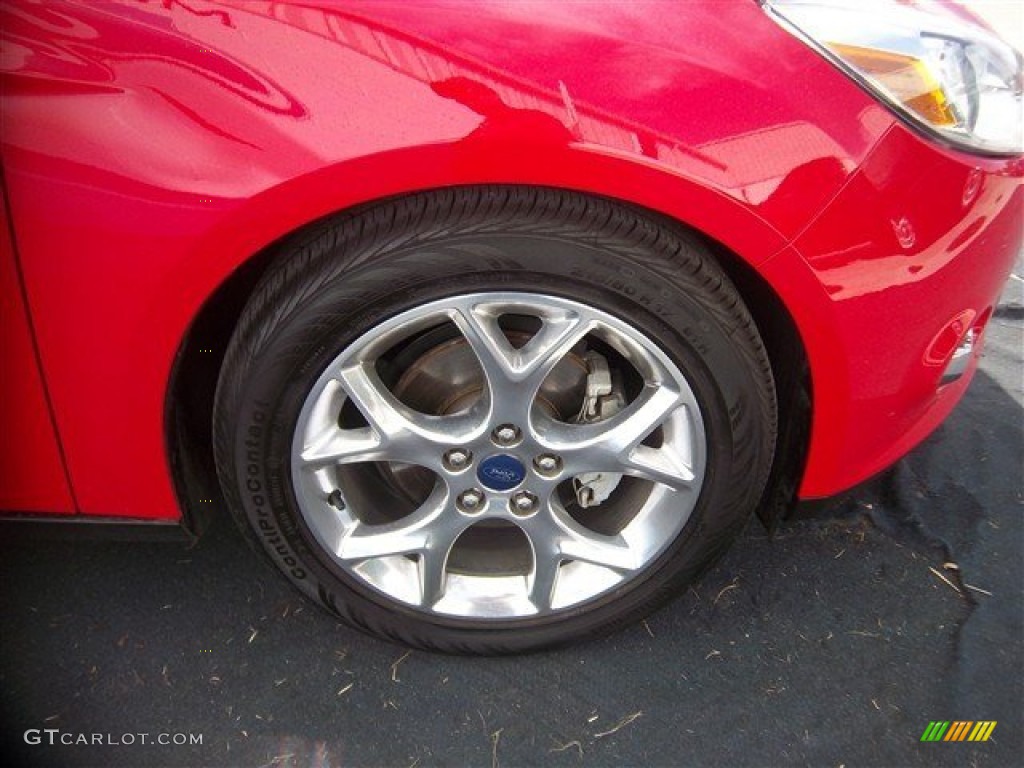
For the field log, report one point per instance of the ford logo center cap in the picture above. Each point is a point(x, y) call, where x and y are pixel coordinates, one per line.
point(501, 472)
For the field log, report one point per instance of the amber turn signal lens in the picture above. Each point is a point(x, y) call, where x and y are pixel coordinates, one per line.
point(908, 80)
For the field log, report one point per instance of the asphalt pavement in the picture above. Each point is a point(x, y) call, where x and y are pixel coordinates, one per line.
point(832, 643)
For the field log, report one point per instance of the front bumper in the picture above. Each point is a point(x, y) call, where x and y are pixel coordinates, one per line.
point(891, 287)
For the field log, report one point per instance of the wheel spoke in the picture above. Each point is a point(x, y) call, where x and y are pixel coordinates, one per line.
point(659, 465)
point(544, 575)
point(433, 557)
point(514, 375)
point(597, 549)
point(555, 537)
point(428, 533)
point(344, 446)
point(621, 433)
point(410, 535)
point(566, 539)
point(363, 542)
point(388, 417)
point(395, 432)
point(613, 445)
point(433, 576)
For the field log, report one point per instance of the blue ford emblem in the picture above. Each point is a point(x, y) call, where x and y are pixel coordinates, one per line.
point(501, 472)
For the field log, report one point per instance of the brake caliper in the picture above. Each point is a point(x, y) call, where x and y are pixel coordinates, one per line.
point(604, 398)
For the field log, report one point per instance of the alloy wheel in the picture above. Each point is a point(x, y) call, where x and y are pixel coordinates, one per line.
point(498, 455)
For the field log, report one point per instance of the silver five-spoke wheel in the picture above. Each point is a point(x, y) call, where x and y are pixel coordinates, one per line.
point(529, 454)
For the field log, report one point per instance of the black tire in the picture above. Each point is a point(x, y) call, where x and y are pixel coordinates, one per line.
point(334, 282)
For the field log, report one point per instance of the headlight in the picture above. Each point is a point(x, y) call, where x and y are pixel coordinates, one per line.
point(955, 79)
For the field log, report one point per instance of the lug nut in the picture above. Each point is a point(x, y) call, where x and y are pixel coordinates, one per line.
point(523, 503)
point(457, 459)
point(548, 464)
point(506, 434)
point(470, 501)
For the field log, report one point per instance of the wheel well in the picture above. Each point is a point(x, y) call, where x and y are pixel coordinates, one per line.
point(792, 375)
point(189, 407)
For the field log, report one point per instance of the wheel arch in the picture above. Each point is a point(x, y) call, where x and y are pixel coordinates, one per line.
point(190, 390)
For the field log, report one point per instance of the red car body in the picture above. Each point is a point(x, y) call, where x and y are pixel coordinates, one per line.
point(152, 149)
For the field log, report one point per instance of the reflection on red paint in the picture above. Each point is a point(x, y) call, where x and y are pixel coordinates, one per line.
point(151, 148)
point(948, 339)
